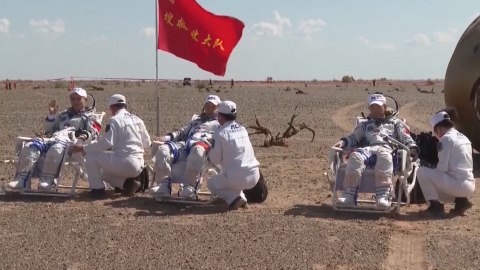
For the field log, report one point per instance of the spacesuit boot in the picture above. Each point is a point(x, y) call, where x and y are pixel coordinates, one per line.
point(188, 191)
point(47, 182)
point(383, 197)
point(22, 181)
point(347, 197)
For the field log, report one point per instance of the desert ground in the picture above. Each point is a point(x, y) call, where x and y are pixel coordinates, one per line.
point(295, 228)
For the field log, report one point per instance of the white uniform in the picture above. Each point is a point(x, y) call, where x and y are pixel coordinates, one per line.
point(127, 137)
point(52, 148)
point(233, 151)
point(453, 176)
point(184, 144)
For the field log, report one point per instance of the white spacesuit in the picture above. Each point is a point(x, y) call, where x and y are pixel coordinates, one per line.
point(233, 152)
point(453, 178)
point(59, 129)
point(373, 151)
point(185, 144)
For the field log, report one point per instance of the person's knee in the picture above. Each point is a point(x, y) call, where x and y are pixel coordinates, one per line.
point(162, 158)
point(196, 156)
point(54, 153)
point(355, 163)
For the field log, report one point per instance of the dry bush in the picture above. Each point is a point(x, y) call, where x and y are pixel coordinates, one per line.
point(60, 84)
point(348, 79)
point(430, 82)
point(200, 85)
point(103, 83)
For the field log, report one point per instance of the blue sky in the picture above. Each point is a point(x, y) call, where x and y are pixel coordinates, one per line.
point(285, 39)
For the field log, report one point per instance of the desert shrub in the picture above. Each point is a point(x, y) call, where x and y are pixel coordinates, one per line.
point(60, 84)
point(430, 82)
point(383, 79)
point(200, 85)
point(103, 83)
point(347, 79)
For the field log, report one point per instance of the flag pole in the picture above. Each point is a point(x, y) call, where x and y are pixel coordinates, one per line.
point(156, 68)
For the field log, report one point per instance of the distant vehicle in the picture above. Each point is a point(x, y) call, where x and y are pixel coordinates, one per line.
point(187, 81)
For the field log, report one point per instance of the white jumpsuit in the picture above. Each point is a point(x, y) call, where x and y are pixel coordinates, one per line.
point(453, 176)
point(127, 137)
point(183, 144)
point(233, 151)
point(52, 148)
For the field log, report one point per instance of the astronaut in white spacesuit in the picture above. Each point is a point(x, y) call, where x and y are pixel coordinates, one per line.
point(452, 180)
point(75, 120)
point(373, 150)
point(186, 144)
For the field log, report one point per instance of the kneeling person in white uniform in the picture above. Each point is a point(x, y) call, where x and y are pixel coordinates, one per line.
point(233, 151)
point(127, 137)
point(452, 179)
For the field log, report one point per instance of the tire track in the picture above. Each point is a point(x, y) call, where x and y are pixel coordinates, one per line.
point(407, 248)
point(406, 112)
point(340, 116)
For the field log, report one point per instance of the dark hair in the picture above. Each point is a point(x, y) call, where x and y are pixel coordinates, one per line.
point(229, 117)
point(119, 106)
point(446, 123)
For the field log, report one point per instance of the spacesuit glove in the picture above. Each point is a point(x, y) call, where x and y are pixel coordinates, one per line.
point(163, 139)
point(414, 154)
point(339, 144)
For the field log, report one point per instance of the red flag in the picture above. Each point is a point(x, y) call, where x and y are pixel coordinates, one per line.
point(190, 32)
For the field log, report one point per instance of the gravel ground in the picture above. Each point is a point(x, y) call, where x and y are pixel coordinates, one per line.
point(294, 229)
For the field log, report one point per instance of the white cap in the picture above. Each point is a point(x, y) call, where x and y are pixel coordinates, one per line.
point(117, 99)
point(213, 99)
point(80, 91)
point(227, 107)
point(376, 99)
point(437, 118)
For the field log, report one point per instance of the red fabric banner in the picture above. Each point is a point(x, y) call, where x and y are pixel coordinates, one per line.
point(188, 31)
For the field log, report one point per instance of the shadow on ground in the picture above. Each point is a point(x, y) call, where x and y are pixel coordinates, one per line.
point(147, 206)
point(325, 211)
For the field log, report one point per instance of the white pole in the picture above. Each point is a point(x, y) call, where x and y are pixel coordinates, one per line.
point(156, 68)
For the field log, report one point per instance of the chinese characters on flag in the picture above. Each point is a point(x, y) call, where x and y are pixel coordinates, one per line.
point(190, 32)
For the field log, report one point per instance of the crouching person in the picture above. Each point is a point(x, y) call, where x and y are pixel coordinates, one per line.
point(369, 147)
point(452, 180)
point(127, 137)
point(232, 151)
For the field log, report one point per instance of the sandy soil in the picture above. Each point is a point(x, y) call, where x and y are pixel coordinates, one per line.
point(294, 229)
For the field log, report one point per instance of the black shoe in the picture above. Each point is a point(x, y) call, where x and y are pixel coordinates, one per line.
point(100, 192)
point(130, 186)
point(237, 203)
point(461, 205)
point(436, 208)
